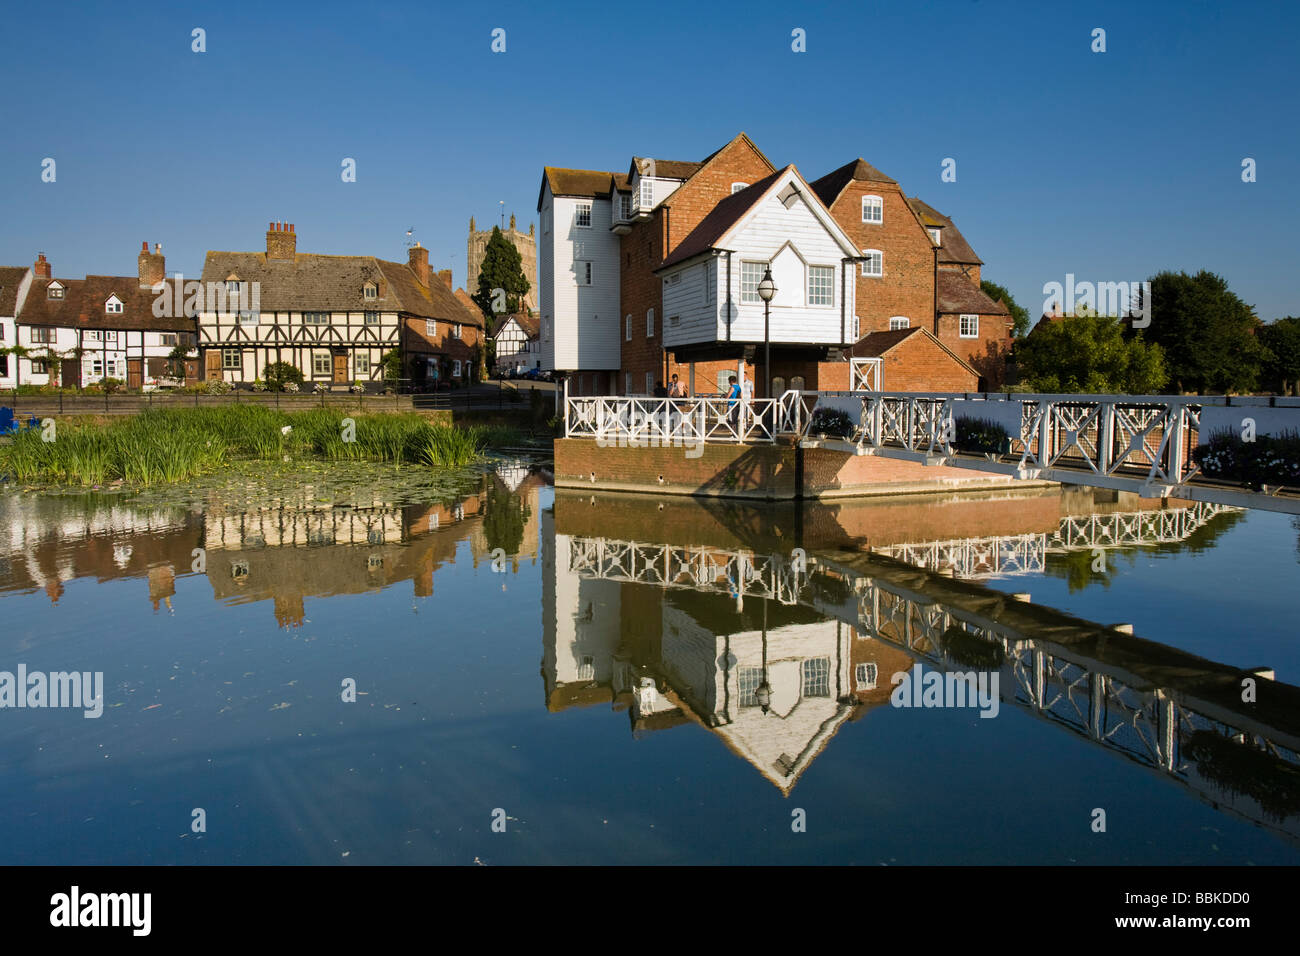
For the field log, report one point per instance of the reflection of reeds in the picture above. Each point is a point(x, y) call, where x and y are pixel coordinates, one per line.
point(172, 445)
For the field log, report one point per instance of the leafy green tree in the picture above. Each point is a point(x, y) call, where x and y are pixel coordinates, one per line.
point(276, 374)
point(503, 519)
point(1019, 314)
point(392, 365)
point(503, 268)
point(1207, 333)
point(1087, 352)
point(1282, 366)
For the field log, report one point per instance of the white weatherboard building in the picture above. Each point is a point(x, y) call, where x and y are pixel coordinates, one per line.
point(14, 284)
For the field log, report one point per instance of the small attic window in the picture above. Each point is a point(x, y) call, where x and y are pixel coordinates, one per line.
point(113, 305)
point(370, 291)
point(935, 234)
point(54, 291)
point(737, 187)
point(232, 285)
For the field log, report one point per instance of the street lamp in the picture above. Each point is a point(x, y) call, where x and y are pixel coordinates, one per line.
point(763, 693)
point(767, 289)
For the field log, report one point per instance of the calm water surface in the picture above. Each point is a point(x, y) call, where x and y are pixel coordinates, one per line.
point(590, 670)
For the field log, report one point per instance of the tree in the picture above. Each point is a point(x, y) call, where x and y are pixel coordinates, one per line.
point(392, 366)
point(1087, 352)
point(1282, 366)
point(1207, 333)
point(502, 269)
point(277, 374)
point(1019, 314)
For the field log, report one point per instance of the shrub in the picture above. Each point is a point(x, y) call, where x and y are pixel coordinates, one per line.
point(1268, 460)
point(831, 421)
point(980, 435)
point(259, 385)
point(290, 388)
point(219, 386)
point(280, 374)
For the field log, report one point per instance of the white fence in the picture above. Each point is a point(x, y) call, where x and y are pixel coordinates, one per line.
point(672, 421)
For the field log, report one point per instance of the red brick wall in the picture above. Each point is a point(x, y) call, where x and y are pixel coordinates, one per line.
point(987, 352)
point(907, 286)
point(917, 364)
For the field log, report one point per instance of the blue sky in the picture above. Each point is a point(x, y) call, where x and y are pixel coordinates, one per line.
point(1108, 165)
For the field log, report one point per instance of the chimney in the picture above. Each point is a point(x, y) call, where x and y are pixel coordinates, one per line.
point(281, 241)
point(152, 265)
point(445, 276)
point(41, 269)
point(417, 257)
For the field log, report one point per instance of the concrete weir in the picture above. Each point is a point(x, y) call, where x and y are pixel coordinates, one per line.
point(776, 471)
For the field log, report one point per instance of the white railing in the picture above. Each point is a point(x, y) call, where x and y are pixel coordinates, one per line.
point(644, 422)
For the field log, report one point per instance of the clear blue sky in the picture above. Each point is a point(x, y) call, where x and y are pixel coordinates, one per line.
point(1108, 165)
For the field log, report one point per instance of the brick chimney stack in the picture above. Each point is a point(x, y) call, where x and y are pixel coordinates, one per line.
point(445, 276)
point(152, 265)
point(41, 268)
point(281, 241)
point(418, 259)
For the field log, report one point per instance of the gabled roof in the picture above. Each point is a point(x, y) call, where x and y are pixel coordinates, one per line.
point(530, 325)
point(307, 281)
point(575, 182)
point(956, 293)
point(953, 246)
point(465, 299)
point(434, 301)
point(740, 137)
point(10, 278)
point(877, 344)
point(829, 187)
point(662, 168)
point(714, 228)
point(82, 305)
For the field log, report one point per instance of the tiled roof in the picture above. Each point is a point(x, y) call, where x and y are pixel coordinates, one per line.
point(829, 187)
point(876, 344)
point(434, 301)
point(465, 299)
point(662, 168)
point(577, 182)
point(722, 217)
point(953, 248)
point(528, 323)
point(956, 294)
point(82, 305)
point(10, 278)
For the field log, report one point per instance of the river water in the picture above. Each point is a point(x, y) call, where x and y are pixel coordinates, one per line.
point(505, 673)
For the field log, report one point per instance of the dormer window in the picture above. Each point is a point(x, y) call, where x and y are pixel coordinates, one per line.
point(232, 286)
point(113, 306)
point(935, 234)
point(646, 197)
point(582, 215)
point(625, 206)
point(370, 291)
point(737, 187)
point(54, 291)
point(873, 209)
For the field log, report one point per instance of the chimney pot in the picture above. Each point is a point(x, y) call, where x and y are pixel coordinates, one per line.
point(144, 246)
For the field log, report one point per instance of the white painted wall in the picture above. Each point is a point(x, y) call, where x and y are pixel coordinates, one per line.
point(583, 320)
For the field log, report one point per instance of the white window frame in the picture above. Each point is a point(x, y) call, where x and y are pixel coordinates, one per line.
point(246, 317)
point(316, 362)
point(232, 360)
point(361, 364)
point(645, 194)
point(624, 206)
point(750, 296)
point(627, 383)
point(936, 235)
point(708, 283)
point(897, 322)
point(113, 305)
point(649, 383)
point(315, 318)
point(370, 291)
point(830, 287)
point(873, 204)
point(579, 209)
point(879, 261)
point(650, 323)
point(232, 287)
point(737, 187)
point(54, 290)
point(430, 327)
point(866, 675)
point(455, 330)
point(371, 318)
point(961, 326)
point(455, 368)
point(627, 331)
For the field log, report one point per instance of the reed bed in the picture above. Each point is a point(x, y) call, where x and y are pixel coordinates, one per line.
point(170, 445)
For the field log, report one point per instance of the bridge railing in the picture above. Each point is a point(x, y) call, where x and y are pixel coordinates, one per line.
point(637, 421)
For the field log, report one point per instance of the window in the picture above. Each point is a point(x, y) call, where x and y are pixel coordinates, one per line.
point(817, 677)
point(649, 383)
point(821, 285)
point(751, 273)
point(625, 205)
point(54, 291)
point(796, 383)
point(583, 271)
point(247, 317)
point(90, 335)
point(935, 234)
point(372, 318)
point(96, 368)
point(321, 363)
point(168, 338)
point(587, 669)
point(855, 328)
point(431, 327)
point(582, 215)
point(750, 680)
point(113, 305)
point(42, 335)
point(646, 197)
point(873, 263)
point(627, 383)
point(866, 674)
point(970, 326)
point(315, 318)
point(627, 331)
point(110, 336)
point(232, 359)
point(650, 323)
point(899, 322)
point(361, 364)
point(232, 287)
point(455, 368)
point(778, 385)
point(4, 364)
point(708, 284)
point(737, 187)
point(674, 321)
point(38, 366)
point(370, 291)
point(873, 209)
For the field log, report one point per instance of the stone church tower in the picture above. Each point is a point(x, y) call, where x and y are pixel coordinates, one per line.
point(525, 242)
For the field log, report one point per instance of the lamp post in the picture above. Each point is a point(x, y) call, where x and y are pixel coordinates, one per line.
point(763, 693)
point(767, 289)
